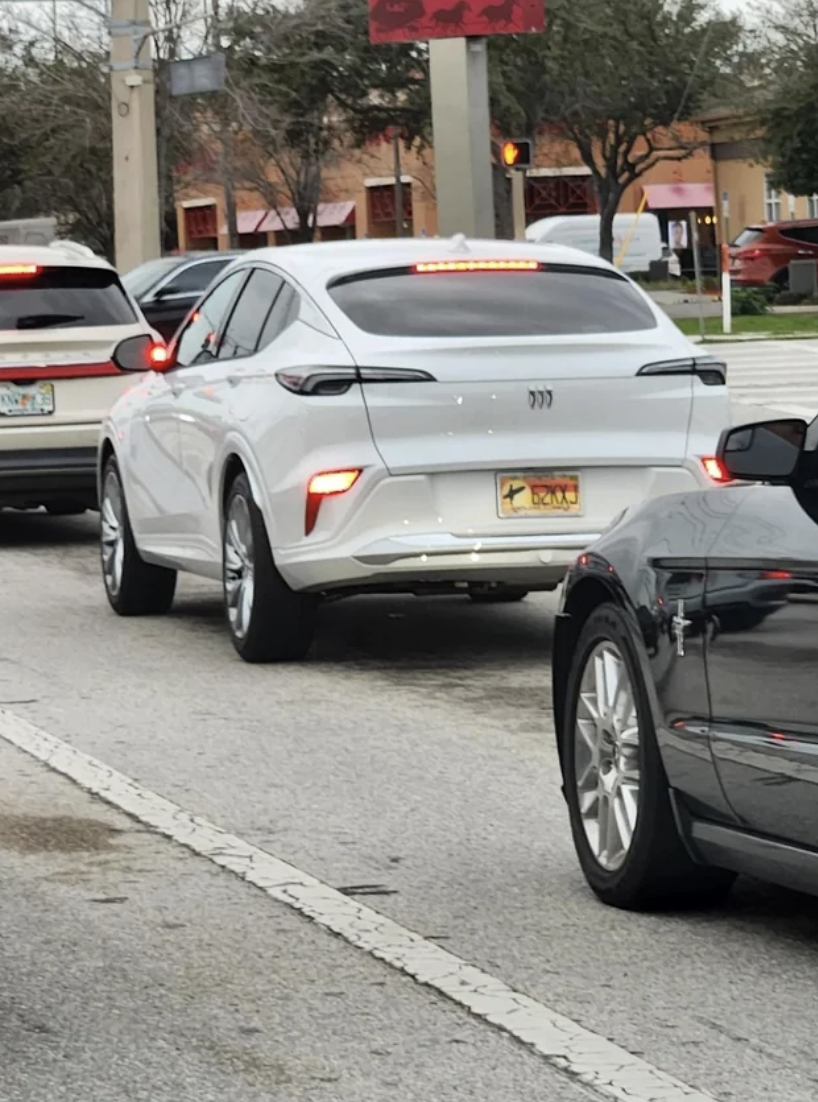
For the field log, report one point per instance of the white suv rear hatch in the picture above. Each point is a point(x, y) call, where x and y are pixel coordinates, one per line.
point(533, 394)
point(61, 315)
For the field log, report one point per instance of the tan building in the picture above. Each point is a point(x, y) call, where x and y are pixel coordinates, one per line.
point(359, 197)
point(742, 180)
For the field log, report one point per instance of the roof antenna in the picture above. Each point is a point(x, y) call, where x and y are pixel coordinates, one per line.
point(459, 243)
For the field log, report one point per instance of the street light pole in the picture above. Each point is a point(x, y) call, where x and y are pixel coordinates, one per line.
point(135, 173)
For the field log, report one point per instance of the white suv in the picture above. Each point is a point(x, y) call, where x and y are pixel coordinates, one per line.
point(62, 313)
point(413, 416)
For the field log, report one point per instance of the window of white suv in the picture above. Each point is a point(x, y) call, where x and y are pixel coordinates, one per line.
point(557, 299)
point(62, 298)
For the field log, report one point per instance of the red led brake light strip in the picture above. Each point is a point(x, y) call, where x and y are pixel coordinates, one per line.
point(439, 266)
point(14, 373)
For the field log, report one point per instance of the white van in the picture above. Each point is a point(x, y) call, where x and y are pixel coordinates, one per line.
point(581, 231)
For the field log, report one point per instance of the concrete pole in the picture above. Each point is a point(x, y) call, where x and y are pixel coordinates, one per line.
point(462, 138)
point(518, 203)
point(136, 179)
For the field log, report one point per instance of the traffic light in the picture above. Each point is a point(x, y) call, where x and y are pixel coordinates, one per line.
point(516, 154)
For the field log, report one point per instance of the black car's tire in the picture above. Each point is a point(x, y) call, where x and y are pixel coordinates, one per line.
point(267, 621)
point(503, 595)
point(656, 871)
point(133, 587)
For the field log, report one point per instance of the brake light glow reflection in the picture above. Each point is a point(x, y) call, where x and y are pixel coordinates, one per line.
point(477, 266)
point(323, 485)
point(11, 270)
point(776, 575)
point(714, 469)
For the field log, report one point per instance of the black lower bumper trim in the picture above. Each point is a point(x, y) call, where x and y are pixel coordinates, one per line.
point(36, 476)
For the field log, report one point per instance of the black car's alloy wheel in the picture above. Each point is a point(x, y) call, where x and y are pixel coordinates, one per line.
point(622, 821)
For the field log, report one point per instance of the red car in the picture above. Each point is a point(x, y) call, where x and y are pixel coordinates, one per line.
point(762, 254)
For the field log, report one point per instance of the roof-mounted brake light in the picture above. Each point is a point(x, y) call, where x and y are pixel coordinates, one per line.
point(437, 266)
point(10, 270)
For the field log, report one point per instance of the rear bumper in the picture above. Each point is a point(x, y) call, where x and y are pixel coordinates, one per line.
point(418, 561)
point(29, 477)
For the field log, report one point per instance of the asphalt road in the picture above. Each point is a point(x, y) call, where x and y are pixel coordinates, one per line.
point(410, 765)
point(410, 759)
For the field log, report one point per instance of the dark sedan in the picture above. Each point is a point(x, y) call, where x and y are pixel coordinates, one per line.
point(167, 289)
point(684, 685)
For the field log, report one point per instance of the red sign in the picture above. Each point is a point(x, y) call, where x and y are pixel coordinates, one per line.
point(416, 20)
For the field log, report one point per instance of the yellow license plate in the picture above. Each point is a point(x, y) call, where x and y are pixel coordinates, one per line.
point(539, 494)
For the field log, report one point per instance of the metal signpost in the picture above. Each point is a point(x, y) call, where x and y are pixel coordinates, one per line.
point(457, 32)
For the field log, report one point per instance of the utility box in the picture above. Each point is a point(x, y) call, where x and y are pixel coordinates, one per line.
point(804, 277)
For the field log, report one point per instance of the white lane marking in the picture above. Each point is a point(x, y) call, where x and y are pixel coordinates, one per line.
point(609, 1070)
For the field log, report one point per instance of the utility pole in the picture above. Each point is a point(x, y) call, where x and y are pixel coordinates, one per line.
point(461, 123)
point(398, 182)
point(136, 178)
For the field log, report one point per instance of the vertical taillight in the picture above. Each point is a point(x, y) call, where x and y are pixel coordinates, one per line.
point(323, 485)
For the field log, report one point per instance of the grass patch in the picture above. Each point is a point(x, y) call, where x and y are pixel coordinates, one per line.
point(777, 325)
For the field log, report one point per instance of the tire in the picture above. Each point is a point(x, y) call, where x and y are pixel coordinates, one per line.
point(655, 870)
point(267, 621)
point(504, 595)
point(133, 587)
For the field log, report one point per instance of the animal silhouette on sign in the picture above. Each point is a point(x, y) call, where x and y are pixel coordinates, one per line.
point(502, 13)
point(394, 15)
point(451, 17)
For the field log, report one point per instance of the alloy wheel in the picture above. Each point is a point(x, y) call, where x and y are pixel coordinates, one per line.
point(606, 755)
point(112, 533)
point(239, 566)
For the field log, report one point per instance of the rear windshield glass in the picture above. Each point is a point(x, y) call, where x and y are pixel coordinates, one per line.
point(63, 298)
point(556, 301)
point(747, 237)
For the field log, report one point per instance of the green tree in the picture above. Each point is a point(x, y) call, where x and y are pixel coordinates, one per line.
point(619, 81)
point(787, 108)
point(304, 83)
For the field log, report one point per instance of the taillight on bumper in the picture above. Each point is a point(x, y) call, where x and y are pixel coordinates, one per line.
point(715, 469)
point(324, 485)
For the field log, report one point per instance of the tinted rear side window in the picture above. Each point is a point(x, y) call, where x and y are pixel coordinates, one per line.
point(746, 238)
point(197, 278)
point(64, 298)
point(139, 280)
point(556, 301)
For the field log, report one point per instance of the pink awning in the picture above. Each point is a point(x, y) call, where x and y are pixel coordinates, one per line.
point(680, 196)
point(247, 221)
point(329, 214)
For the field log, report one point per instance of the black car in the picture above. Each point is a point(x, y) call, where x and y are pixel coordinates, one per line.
point(167, 289)
point(684, 683)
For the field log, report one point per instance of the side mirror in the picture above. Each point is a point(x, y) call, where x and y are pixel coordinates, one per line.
point(141, 353)
point(766, 452)
point(164, 292)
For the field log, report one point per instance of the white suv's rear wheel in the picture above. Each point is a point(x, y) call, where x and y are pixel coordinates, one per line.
point(134, 587)
point(267, 621)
